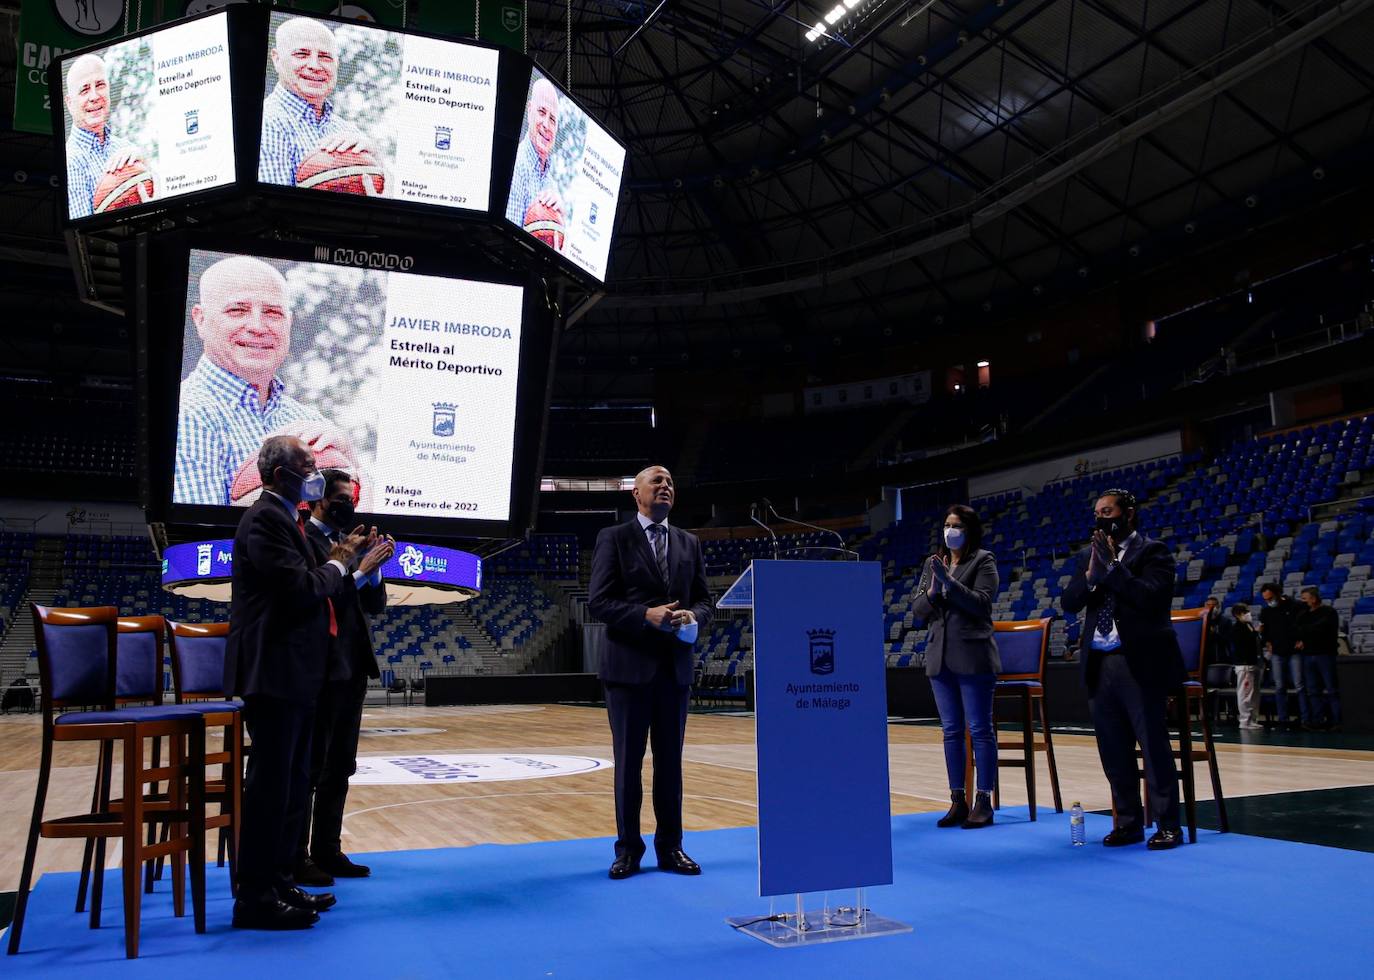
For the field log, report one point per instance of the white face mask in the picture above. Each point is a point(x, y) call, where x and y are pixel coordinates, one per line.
point(954, 538)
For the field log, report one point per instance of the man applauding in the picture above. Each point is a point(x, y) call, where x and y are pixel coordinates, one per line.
point(283, 614)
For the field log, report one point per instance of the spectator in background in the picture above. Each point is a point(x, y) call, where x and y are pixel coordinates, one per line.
point(1218, 633)
point(1285, 662)
point(1317, 630)
point(1245, 655)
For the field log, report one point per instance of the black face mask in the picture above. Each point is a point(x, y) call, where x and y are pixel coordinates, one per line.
point(340, 514)
point(1115, 528)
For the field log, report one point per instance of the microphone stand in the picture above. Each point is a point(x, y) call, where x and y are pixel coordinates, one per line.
point(754, 518)
point(847, 552)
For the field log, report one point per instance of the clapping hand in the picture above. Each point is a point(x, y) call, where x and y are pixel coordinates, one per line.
point(380, 548)
point(939, 575)
point(1099, 557)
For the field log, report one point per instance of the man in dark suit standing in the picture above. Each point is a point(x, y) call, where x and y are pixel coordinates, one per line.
point(1131, 661)
point(281, 617)
point(649, 587)
point(339, 712)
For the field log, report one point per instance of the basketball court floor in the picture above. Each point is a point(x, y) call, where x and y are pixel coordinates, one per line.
point(514, 774)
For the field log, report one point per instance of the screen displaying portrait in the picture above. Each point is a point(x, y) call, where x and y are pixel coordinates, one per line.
point(407, 382)
point(566, 179)
point(356, 109)
point(148, 119)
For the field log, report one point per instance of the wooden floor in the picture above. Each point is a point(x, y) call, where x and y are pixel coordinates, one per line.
point(719, 774)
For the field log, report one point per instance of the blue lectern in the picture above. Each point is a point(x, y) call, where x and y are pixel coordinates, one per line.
point(820, 697)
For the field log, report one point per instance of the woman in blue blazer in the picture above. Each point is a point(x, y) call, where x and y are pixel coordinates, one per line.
point(955, 595)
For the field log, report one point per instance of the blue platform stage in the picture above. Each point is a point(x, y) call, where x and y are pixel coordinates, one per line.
point(1014, 899)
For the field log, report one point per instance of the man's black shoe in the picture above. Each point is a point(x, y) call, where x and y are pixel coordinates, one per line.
point(624, 866)
point(678, 863)
point(1122, 836)
point(309, 873)
point(340, 866)
point(1165, 840)
point(298, 899)
point(271, 913)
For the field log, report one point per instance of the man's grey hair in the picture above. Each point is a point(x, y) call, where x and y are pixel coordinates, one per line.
point(276, 451)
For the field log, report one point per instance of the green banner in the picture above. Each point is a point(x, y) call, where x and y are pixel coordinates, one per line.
point(47, 29)
point(502, 22)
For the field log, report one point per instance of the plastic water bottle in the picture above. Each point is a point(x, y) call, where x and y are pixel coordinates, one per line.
point(1077, 832)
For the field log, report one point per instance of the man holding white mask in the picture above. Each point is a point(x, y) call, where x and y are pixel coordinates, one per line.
point(281, 619)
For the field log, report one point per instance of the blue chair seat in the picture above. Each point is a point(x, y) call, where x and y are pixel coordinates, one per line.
point(211, 707)
point(168, 712)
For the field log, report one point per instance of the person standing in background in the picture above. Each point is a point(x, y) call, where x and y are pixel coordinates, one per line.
point(955, 597)
point(1316, 632)
point(1277, 619)
point(1249, 667)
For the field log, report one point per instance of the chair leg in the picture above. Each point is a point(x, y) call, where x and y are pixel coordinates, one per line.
point(133, 850)
point(21, 899)
point(152, 827)
point(176, 800)
point(1222, 822)
point(1185, 751)
point(88, 852)
point(234, 789)
point(196, 788)
point(103, 805)
point(1049, 756)
point(1028, 746)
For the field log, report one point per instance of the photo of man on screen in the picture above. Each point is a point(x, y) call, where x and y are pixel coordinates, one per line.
point(534, 203)
point(234, 399)
point(93, 150)
point(305, 142)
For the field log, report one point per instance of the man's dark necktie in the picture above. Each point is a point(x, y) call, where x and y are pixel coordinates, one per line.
point(1104, 616)
point(660, 534)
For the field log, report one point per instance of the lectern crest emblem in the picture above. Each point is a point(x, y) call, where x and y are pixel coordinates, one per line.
point(822, 650)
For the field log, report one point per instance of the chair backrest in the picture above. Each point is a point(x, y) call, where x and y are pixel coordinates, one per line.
point(1190, 625)
point(198, 660)
point(1021, 646)
point(76, 656)
point(138, 663)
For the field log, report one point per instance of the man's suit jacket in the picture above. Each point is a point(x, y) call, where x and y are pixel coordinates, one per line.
point(350, 653)
point(959, 619)
point(278, 618)
point(625, 582)
point(1143, 585)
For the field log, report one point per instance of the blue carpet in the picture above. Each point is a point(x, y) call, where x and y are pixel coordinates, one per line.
point(1012, 899)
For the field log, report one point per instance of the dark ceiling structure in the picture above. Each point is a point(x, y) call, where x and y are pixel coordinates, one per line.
point(918, 163)
point(926, 160)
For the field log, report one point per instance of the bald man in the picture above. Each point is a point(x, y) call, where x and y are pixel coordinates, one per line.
point(232, 400)
point(92, 149)
point(649, 587)
point(530, 181)
point(298, 117)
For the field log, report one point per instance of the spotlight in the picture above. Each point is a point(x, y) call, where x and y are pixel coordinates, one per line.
point(1189, 228)
point(1133, 251)
point(1251, 201)
point(1318, 173)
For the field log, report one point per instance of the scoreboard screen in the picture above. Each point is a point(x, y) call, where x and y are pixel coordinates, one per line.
point(566, 179)
point(148, 119)
point(351, 108)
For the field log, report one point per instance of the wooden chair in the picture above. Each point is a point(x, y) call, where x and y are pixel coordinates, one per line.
point(77, 661)
point(198, 681)
point(1190, 625)
point(1023, 646)
point(138, 680)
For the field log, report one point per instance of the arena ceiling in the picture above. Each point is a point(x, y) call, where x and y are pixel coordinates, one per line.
point(926, 158)
point(923, 162)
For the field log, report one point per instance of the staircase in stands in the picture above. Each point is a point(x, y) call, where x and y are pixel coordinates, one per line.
point(45, 576)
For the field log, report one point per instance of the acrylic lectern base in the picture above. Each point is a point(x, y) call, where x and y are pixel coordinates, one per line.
point(828, 924)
